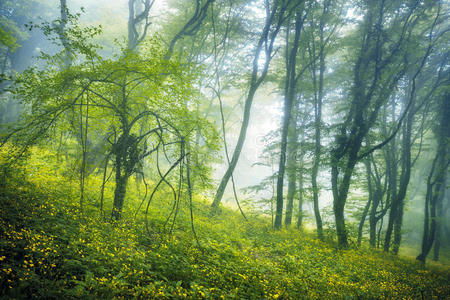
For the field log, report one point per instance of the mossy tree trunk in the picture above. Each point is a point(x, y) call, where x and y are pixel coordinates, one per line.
point(126, 157)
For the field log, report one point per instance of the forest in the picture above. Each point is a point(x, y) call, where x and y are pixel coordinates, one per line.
point(224, 149)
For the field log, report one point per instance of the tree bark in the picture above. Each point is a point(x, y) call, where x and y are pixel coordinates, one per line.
point(119, 193)
point(291, 166)
point(318, 100)
point(369, 201)
point(62, 34)
point(126, 152)
point(136, 15)
point(290, 89)
point(392, 165)
point(300, 197)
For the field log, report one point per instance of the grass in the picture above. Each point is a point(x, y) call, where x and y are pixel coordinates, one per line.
point(49, 250)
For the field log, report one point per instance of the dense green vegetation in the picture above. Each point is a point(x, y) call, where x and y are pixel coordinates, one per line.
point(48, 250)
point(264, 149)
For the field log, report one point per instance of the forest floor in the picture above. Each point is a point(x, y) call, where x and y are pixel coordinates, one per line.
point(49, 250)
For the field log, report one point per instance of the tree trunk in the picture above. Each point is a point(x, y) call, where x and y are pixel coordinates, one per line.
point(392, 165)
point(369, 201)
point(436, 179)
point(316, 193)
point(440, 217)
point(138, 12)
point(437, 241)
point(62, 34)
point(266, 42)
point(237, 149)
point(300, 197)
point(119, 194)
point(405, 175)
point(362, 221)
point(318, 100)
point(126, 153)
point(289, 95)
point(340, 189)
point(341, 231)
point(291, 165)
point(373, 219)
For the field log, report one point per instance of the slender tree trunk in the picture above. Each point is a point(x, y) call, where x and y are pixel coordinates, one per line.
point(291, 165)
point(237, 149)
point(379, 233)
point(290, 89)
point(369, 201)
point(405, 174)
point(373, 219)
point(102, 190)
point(300, 197)
point(440, 216)
point(62, 34)
point(398, 199)
point(376, 196)
point(373, 223)
point(362, 221)
point(393, 174)
point(265, 43)
point(393, 209)
point(318, 100)
point(437, 239)
point(83, 137)
point(316, 194)
point(132, 39)
point(120, 189)
point(301, 171)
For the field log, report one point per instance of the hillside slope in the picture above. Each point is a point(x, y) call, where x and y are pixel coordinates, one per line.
point(48, 250)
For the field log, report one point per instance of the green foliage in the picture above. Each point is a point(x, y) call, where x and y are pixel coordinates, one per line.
point(11, 30)
point(136, 102)
point(8, 40)
point(49, 250)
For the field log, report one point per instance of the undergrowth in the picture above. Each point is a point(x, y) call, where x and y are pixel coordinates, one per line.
point(49, 249)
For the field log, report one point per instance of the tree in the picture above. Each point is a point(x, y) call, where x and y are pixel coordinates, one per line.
point(138, 23)
point(405, 156)
point(291, 166)
point(318, 51)
point(289, 96)
point(275, 17)
point(437, 177)
point(17, 48)
point(192, 25)
point(139, 98)
point(376, 73)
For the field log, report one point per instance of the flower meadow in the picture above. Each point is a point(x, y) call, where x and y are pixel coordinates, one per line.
point(51, 249)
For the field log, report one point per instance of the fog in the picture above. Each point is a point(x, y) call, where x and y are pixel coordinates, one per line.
point(266, 114)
